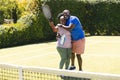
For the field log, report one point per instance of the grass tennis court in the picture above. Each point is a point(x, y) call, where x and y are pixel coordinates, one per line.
point(102, 54)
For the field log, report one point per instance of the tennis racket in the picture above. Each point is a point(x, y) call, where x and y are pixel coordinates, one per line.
point(47, 12)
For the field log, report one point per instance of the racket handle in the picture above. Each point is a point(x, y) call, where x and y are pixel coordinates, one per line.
point(50, 19)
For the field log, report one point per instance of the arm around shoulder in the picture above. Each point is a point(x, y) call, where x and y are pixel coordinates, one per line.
point(71, 26)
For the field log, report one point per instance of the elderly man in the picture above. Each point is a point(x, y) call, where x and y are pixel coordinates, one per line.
point(73, 24)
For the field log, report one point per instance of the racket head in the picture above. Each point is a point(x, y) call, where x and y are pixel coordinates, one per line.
point(46, 11)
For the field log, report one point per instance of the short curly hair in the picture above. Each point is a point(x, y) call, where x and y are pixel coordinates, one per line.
point(59, 15)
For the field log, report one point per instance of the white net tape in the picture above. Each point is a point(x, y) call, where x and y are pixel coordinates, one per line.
point(15, 72)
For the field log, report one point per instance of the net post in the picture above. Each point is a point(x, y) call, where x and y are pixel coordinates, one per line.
point(20, 73)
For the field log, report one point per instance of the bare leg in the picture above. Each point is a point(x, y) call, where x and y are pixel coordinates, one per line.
point(79, 58)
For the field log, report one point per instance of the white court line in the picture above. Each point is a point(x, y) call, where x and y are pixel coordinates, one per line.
point(25, 52)
point(17, 53)
point(113, 41)
point(102, 55)
point(33, 57)
point(97, 42)
point(91, 43)
point(41, 55)
point(44, 48)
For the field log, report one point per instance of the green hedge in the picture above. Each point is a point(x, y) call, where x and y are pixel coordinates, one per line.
point(9, 10)
point(29, 29)
point(103, 18)
point(1, 17)
point(100, 18)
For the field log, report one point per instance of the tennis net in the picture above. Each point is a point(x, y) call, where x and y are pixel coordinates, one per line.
point(15, 72)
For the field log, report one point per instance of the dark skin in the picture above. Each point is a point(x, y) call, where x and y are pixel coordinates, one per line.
point(62, 21)
point(71, 26)
point(79, 58)
point(52, 26)
point(73, 54)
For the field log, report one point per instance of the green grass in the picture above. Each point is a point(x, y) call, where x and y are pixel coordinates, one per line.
point(102, 54)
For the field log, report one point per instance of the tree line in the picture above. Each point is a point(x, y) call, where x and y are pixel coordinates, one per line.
point(30, 25)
